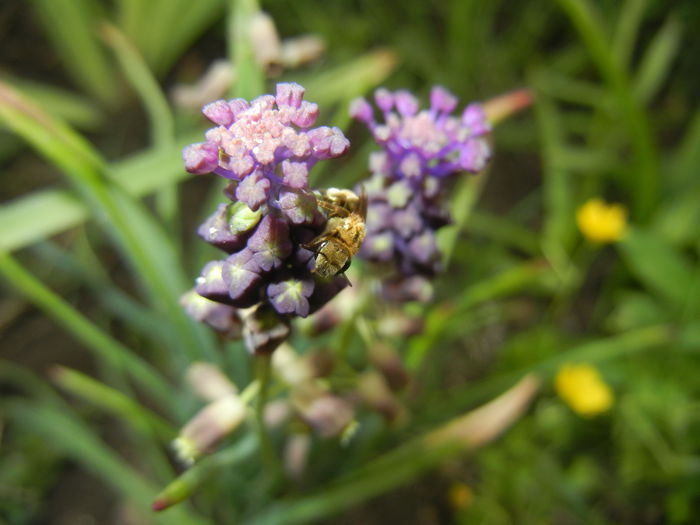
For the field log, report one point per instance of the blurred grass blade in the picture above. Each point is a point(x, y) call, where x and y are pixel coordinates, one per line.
point(152, 97)
point(161, 120)
point(71, 26)
point(115, 402)
point(462, 204)
point(78, 441)
point(686, 157)
point(250, 79)
point(166, 28)
point(561, 87)
point(627, 30)
point(350, 80)
point(597, 351)
point(66, 105)
point(93, 337)
point(22, 221)
point(660, 267)
point(87, 269)
point(27, 382)
point(404, 464)
point(140, 239)
point(642, 181)
point(185, 485)
point(657, 61)
point(440, 317)
point(559, 225)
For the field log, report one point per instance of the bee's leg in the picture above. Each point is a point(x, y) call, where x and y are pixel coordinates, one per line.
point(341, 274)
point(315, 243)
point(345, 268)
point(334, 209)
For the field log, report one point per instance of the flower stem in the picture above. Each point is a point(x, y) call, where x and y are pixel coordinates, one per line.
point(267, 452)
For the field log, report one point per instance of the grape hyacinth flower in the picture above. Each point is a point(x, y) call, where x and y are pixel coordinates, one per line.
point(266, 148)
point(421, 151)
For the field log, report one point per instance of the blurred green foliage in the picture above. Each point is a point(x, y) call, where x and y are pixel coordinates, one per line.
point(616, 115)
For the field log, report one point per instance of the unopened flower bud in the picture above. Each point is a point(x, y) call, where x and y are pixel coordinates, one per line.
point(208, 427)
point(265, 41)
point(374, 391)
point(389, 363)
point(209, 382)
point(296, 454)
point(329, 415)
point(301, 50)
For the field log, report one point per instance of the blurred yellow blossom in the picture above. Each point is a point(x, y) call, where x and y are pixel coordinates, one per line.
point(583, 389)
point(601, 222)
point(460, 495)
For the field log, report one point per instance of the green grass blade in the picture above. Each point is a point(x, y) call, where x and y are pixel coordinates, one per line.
point(152, 97)
point(440, 317)
point(597, 351)
point(140, 239)
point(627, 30)
point(250, 79)
point(643, 176)
point(405, 463)
point(73, 438)
point(559, 227)
point(71, 25)
point(466, 195)
point(658, 60)
point(75, 109)
point(167, 27)
point(115, 402)
point(185, 485)
point(113, 352)
point(22, 220)
point(660, 267)
point(686, 158)
point(349, 80)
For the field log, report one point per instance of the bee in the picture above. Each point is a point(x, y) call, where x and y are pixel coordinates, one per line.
point(344, 232)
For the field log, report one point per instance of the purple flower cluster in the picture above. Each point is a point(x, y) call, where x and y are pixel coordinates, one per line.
point(421, 149)
point(266, 149)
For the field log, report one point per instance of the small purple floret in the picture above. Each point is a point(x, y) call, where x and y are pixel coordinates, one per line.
point(291, 296)
point(201, 158)
point(270, 243)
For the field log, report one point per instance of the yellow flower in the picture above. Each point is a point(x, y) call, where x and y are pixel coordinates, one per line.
point(601, 222)
point(460, 495)
point(583, 389)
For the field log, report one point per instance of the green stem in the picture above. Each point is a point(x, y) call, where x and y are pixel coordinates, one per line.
point(267, 452)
